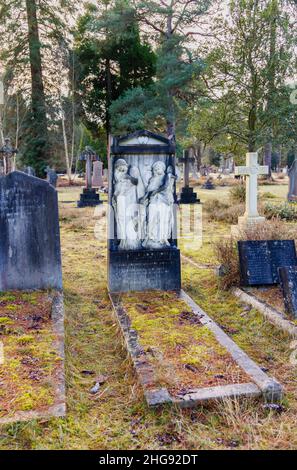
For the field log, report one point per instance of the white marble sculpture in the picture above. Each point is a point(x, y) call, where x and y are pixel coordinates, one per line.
point(144, 214)
point(128, 189)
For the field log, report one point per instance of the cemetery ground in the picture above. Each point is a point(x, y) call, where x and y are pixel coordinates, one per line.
point(117, 417)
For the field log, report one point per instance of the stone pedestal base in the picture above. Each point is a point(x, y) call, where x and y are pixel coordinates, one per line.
point(141, 270)
point(187, 196)
point(246, 223)
point(89, 198)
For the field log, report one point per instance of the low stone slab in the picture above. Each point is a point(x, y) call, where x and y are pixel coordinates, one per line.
point(32, 378)
point(252, 381)
point(273, 315)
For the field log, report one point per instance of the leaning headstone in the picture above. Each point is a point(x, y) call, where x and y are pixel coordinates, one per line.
point(29, 234)
point(260, 260)
point(288, 281)
point(143, 253)
point(292, 196)
point(97, 179)
point(51, 177)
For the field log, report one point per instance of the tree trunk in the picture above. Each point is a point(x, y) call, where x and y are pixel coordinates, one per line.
point(268, 156)
point(37, 139)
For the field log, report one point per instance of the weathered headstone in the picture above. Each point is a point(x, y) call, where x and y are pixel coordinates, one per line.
point(51, 177)
point(252, 170)
point(288, 281)
point(187, 195)
point(143, 253)
point(29, 234)
point(292, 196)
point(260, 259)
point(89, 196)
point(97, 179)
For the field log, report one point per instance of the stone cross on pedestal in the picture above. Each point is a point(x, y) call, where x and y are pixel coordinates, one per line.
point(252, 170)
point(187, 195)
point(89, 197)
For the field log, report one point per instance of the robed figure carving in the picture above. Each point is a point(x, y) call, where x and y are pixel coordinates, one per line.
point(128, 189)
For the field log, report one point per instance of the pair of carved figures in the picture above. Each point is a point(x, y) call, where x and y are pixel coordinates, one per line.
point(144, 214)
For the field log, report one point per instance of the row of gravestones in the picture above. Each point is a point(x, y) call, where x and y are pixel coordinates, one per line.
point(143, 251)
point(268, 263)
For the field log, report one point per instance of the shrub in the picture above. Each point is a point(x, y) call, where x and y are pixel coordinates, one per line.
point(237, 193)
point(218, 211)
point(284, 211)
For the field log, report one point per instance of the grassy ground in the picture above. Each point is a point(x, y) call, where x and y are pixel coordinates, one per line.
point(117, 417)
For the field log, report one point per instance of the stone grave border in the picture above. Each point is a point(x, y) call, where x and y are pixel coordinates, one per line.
point(273, 315)
point(261, 384)
point(59, 409)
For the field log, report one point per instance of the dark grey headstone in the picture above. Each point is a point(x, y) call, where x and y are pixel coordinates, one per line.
point(29, 234)
point(288, 281)
point(259, 260)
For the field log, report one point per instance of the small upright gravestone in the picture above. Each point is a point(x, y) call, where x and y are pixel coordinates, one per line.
point(143, 253)
point(51, 177)
point(97, 179)
point(29, 234)
point(292, 196)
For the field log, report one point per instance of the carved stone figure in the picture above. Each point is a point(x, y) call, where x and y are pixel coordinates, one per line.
point(128, 189)
point(159, 200)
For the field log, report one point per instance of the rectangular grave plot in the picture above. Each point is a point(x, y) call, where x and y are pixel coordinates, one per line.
point(255, 263)
point(288, 281)
point(283, 254)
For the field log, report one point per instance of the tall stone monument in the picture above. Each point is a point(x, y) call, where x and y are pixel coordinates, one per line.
point(29, 234)
point(89, 196)
point(142, 250)
point(292, 196)
point(187, 195)
point(252, 170)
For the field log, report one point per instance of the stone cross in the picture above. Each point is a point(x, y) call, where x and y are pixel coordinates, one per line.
point(186, 160)
point(252, 170)
point(8, 152)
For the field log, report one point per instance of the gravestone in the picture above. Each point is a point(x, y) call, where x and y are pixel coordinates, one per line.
point(97, 179)
point(89, 196)
point(187, 195)
point(29, 234)
point(142, 251)
point(292, 196)
point(29, 171)
point(51, 176)
point(288, 281)
point(208, 184)
point(260, 260)
point(251, 171)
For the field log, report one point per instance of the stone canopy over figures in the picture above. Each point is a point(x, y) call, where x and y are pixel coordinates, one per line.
point(143, 250)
